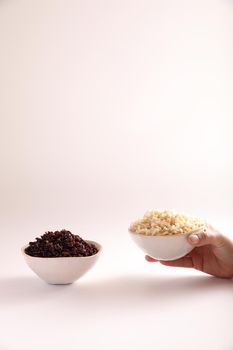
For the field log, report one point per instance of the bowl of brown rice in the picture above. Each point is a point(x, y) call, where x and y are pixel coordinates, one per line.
point(162, 234)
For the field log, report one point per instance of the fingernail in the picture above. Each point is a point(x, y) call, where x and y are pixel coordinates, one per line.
point(194, 239)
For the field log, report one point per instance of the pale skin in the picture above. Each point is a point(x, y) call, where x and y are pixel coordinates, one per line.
point(212, 254)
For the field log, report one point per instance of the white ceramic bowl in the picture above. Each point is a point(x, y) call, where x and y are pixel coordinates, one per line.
point(62, 270)
point(164, 247)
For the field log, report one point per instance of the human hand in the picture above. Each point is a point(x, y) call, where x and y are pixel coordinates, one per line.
point(213, 254)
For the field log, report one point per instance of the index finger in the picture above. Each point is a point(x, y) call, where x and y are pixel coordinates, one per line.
point(150, 259)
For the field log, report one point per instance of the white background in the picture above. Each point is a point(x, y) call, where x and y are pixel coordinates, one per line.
point(107, 109)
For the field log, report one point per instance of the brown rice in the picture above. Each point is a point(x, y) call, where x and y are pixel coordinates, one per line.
point(167, 222)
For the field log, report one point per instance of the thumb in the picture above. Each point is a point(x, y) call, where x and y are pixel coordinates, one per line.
point(206, 236)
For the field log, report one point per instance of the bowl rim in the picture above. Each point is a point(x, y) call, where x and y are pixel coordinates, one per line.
point(98, 246)
point(167, 236)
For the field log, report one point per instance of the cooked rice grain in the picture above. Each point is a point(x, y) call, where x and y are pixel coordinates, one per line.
point(167, 222)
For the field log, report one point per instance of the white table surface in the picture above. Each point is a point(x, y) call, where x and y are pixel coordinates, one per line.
point(110, 108)
point(123, 302)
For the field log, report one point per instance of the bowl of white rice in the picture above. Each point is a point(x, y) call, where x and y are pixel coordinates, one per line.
point(162, 234)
